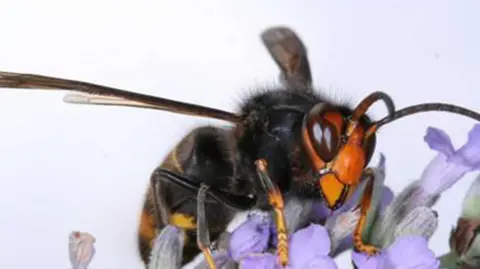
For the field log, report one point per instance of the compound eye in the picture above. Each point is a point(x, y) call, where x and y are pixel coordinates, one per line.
point(323, 126)
point(326, 139)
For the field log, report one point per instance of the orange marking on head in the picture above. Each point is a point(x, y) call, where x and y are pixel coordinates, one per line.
point(350, 161)
point(331, 188)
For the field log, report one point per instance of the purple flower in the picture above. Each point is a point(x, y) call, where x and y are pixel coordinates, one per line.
point(449, 165)
point(404, 228)
point(250, 237)
point(407, 252)
point(249, 244)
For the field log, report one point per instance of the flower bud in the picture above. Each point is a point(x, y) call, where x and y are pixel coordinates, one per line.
point(167, 249)
point(81, 249)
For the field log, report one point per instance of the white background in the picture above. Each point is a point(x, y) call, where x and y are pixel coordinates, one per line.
point(66, 167)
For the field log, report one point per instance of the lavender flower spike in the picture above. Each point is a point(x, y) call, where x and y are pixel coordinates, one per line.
point(450, 165)
point(404, 228)
point(441, 173)
point(167, 249)
point(407, 252)
point(249, 243)
point(250, 237)
point(81, 249)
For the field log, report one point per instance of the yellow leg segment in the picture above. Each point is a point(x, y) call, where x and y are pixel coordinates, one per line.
point(275, 199)
point(364, 206)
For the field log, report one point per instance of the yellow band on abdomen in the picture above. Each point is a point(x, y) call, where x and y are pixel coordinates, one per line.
point(183, 221)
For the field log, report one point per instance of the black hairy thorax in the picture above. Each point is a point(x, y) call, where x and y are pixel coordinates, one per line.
point(272, 131)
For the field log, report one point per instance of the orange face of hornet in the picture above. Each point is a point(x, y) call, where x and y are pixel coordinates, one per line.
point(338, 149)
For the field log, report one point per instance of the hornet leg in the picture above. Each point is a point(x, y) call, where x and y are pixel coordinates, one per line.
point(364, 206)
point(203, 236)
point(276, 201)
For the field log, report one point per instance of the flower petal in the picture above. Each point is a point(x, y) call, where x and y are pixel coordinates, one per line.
point(316, 238)
point(441, 174)
point(468, 155)
point(321, 262)
point(439, 140)
point(259, 261)
point(250, 237)
point(406, 252)
point(410, 252)
point(363, 261)
point(446, 169)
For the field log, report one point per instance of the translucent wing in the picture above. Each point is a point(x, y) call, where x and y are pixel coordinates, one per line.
point(290, 54)
point(94, 99)
point(30, 81)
